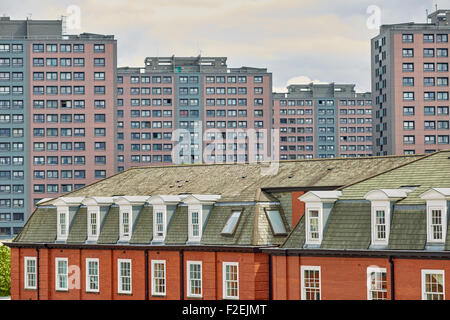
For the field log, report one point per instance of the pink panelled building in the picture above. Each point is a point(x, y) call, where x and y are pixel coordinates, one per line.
point(323, 121)
point(212, 113)
point(72, 82)
point(410, 86)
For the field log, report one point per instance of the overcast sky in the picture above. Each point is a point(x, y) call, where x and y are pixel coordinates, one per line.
point(296, 40)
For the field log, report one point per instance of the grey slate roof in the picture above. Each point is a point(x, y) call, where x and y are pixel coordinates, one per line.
point(239, 182)
point(408, 229)
point(143, 230)
point(78, 230)
point(109, 233)
point(348, 226)
point(40, 227)
point(296, 238)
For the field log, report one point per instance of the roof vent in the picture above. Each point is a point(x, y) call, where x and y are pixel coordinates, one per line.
point(289, 177)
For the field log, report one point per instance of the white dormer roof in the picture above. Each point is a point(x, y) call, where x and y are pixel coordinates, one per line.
point(131, 200)
point(164, 199)
point(201, 198)
point(68, 201)
point(98, 201)
point(320, 196)
point(387, 194)
point(436, 194)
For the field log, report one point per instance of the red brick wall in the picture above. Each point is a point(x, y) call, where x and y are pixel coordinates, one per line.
point(253, 274)
point(341, 278)
point(298, 207)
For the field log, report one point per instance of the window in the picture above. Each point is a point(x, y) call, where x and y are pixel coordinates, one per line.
point(230, 280)
point(61, 274)
point(231, 224)
point(158, 277)
point(30, 272)
point(124, 275)
point(433, 285)
point(380, 225)
point(310, 282)
point(376, 284)
point(125, 225)
point(93, 225)
point(194, 279)
point(92, 275)
point(159, 226)
point(63, 223)
point(436, 221)
point(195, 222)
point(276, 222)
point(313, 226)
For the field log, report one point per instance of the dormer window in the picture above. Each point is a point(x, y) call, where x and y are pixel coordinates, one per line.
point(125, 224)
point(97, 207)
point(381, 216)
point(66, 208)
point(163, 208)
point(63, 223)
point(159, 222)
point(317, 213)
point(93, 225)
point(195, 225)
point(198, 208)
point(129, 209)
point(437, 199)
point(314, 225)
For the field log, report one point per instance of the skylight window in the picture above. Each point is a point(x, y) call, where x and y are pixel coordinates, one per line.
point(276, 222)
point(231, 224)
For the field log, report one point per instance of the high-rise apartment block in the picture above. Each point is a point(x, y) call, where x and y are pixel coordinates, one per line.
point(69, 116)
point(57, 114)
point(211, 112)
point(410, 86)
point(323, 121)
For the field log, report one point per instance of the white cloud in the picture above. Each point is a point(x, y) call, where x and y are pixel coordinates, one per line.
point(297, 80)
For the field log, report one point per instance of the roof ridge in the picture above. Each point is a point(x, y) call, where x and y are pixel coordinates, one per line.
point(281, 161)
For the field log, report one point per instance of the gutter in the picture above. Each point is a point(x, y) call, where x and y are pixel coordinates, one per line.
point(391, 263)
point(146, 275)
point(181, 275)
point(398, 254)
point(201, 248)
point(37, 273)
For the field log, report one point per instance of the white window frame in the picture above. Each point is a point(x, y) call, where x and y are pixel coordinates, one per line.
point(126, 209)
point(224, 280)
point(156, 209)
point(436, 205)
point(380, 206)
point(429, 271)
point(26, 273)
point(369, 282)
point(192, 209)
point(88, 289)
point(188, 279)
point(314, 207)
point(90, 211)
point(119, 277)
point(63, 210)
point(302, 283)
point(154, 292)
point(57, 274)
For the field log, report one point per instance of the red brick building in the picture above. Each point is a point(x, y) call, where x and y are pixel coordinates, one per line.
point(169, 233)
